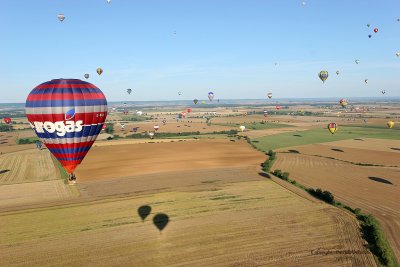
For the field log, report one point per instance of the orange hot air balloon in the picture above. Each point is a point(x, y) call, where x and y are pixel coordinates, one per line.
point(332, 127)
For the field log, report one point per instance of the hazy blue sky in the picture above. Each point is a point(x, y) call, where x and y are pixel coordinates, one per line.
point(226, 46)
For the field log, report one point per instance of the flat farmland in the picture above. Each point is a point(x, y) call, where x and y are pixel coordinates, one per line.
point(105, 162)
point(365, 151)
point(249, 223)
point(373, 189)
point(27, 166)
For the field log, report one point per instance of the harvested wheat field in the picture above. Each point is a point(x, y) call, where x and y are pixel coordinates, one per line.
point(250, 223)
point(375, 190)
point(27, 166)
point(106, 162)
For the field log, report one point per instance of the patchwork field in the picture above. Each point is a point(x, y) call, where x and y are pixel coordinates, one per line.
point(373, 189)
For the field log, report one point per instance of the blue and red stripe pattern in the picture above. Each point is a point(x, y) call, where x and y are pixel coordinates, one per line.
point(67, 115)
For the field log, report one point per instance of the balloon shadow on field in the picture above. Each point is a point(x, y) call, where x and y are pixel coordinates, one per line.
point(297, 135)
point(161, 220)
point(337, 150)
point(144, 211)
point(293, 151)
point(4, 171)
point(265, 175)
point(395, 148)
point(358, 139)
point(380, 180)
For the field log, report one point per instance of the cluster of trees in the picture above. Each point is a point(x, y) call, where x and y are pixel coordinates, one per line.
point(109, 128)
point(5, 128)
point(323, 195)
point(266, 166)
point(24, 141)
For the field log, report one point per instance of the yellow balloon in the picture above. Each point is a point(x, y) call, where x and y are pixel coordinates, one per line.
point(332, 127)
point(390, 124)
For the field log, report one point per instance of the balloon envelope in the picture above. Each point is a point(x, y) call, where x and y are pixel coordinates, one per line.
point(61, 17)
point(332, 127)
point(323, 75)
point(67, 115)
point(99, 71)
point(242, 128)
point(376, 30)
point(390, 124)
point(129, 90)
point(86, 76)
point(7, 120)
point(195, 101)
point(343, 102)
point(211, 96)
point(269, 95)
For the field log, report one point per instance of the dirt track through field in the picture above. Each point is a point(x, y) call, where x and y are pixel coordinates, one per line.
point(375, 190)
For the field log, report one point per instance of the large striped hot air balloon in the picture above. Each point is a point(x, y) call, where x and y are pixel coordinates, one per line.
point(67, 115)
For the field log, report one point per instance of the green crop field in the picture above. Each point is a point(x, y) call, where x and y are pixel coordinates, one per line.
point(322, 135)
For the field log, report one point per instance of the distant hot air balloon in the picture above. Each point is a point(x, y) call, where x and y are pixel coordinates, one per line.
point(277, 107)
point(67, 114)
point(357, 61)
point(39, 145)
point(61, 17)
point(383, 92)
point(86, 76)
point(211, 96)
point(135, 129)
point(179, 93)
point(203, 102)
point(122, 126)
point(129, 90)
point(369, 35)
point(265, 113)
point(139, 113)
point(332, 127)
point(183, 113)
point(337, 72)
point(368, 25)
point(366, 80)
point(156, 127)
point(397, 54)
point(269, 95)
point(151, 134)
point(109, 1)
point(164, 121)
point(114, 108)
point(7, 120)
point(343, 102)
point(376, 30)
point(323, 75)
point(104, 127)
point(242, 128)
point(390, 124)
point(99, 71)
point(189, 110)
point(195, 101)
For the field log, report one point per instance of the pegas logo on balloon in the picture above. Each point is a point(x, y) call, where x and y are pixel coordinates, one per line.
point(59, 126)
